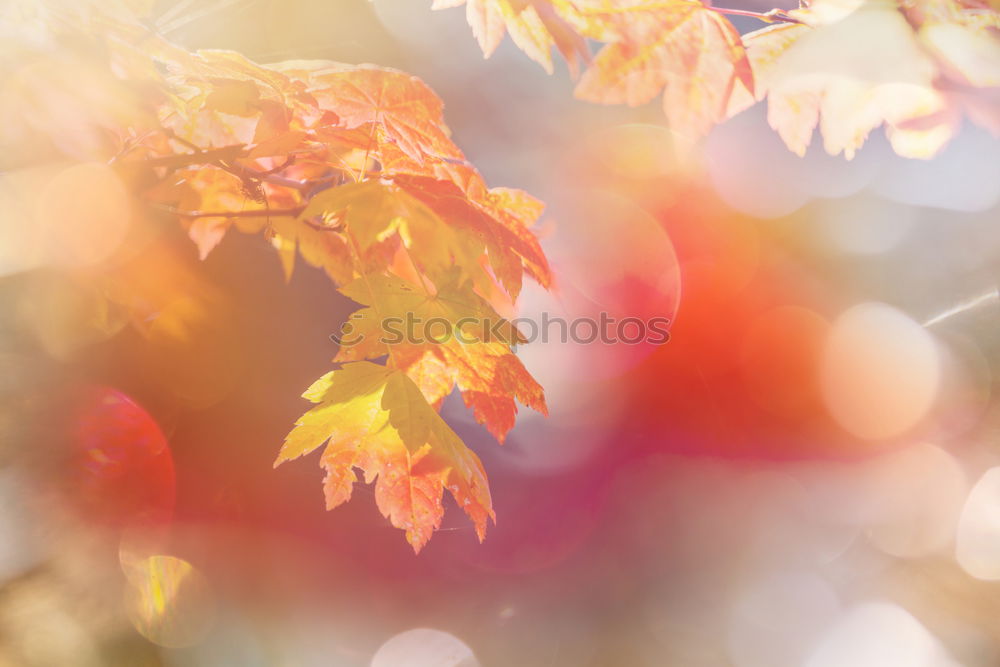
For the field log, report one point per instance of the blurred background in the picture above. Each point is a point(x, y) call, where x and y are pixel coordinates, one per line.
point(806, 474)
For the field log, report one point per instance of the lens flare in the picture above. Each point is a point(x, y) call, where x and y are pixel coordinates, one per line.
point(85, 213)
point(880, 371)
point(977, 547)
point(878, 634)
point(424, 647)
point(168, 601)
point(122, 469)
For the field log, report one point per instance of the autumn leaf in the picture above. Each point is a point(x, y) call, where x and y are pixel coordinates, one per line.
point(399, 107)
point(535, 26)
point(850, 67)
point(469, 316)
point(473, 354)
point(964, 39)
point(680, 48)
point(835, 74)
point(198, 190)
point(240, 98)
point(845, 67)
point(374, 211)
point(376, 420)
point(342, 403)
point(498, 222)
point(764, 49)
point(500, 218)
point(352, 169)
point(318, 246)
point(492, 381)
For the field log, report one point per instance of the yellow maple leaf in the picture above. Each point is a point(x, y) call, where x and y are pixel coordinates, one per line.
point(377, 420)
point(467, 316)
point(374, 211)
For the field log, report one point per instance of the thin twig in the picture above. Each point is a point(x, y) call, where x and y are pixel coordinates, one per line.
point(244, 173)
point(323, 228)
point(254, 213)
point(208, 156)
point(771, 16)
point(222, 158)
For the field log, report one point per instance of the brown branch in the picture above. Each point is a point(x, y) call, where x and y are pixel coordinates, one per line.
point(220, 157)
point(289, 161)
point(223, 159)
point(323, 228)
point(771, 16)
point(254, 213)
point(244, 173)
point(208, 156)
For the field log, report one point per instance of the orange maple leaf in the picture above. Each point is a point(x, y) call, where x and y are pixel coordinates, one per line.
point(352, 169)
point(399, 106)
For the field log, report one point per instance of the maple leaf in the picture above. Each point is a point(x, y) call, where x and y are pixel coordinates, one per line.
point(474, 354)
point(535, 26)
point(680, 47)
point(468, 315)
point(352, 169)
point(844, 66)
point(373, 211)
point(964, 40)
point(509, 243)
point(492, 381)
point(501, 218)
point(401, 107)
point(196, 189)
point(851, 66)
point(833, 72)
point(233, 96)
point(377, 420)
point(319, 247)
point(764, 49)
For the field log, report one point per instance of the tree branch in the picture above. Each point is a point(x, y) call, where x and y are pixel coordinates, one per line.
point(253, 213)
point(223, 158)
point(209, 156)
point(771, 16)
point(244, 173)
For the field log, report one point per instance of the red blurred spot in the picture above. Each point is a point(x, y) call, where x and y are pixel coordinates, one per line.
point(122, 471)
point(618, 280)
point(739, 375)
point(780, 357)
